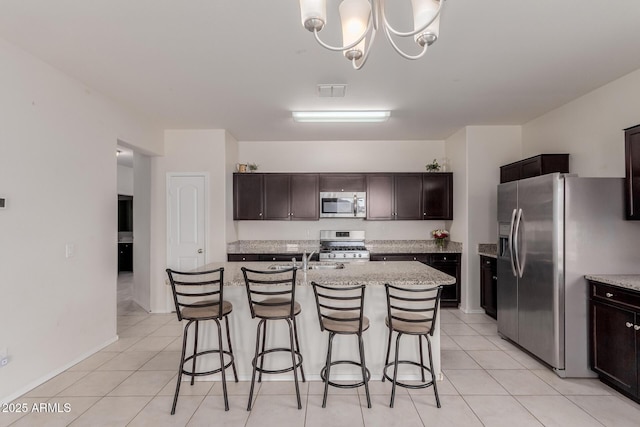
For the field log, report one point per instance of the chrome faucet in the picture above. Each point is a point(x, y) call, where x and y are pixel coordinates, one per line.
point(306, 259)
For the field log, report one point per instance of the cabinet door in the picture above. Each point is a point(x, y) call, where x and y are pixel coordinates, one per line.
point(276, 197)
point(449, 264)
point(125, 257)
point(531, 167)
point(613, 345)
point(380, 196)
point(305, 197)
point(247, 196)
point(632, 172)
point(408, 196)
point(342, 182)
point(399, 257)
point(509, 173)
point(488, 282)
point(437, 195)
point(242, 257)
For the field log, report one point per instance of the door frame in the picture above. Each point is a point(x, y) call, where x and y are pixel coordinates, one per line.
point(171, 175)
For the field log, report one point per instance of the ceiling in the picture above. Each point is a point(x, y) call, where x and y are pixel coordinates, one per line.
point(243, 65)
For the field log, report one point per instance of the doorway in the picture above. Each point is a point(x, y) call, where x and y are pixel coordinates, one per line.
point(134, 229)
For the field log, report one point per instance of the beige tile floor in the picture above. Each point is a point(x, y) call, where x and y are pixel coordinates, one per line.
point(488, 382)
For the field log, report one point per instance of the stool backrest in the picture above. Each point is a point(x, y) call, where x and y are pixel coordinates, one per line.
point(196, 289)
point(263, 287)
point(339, 303)
point(413, 305)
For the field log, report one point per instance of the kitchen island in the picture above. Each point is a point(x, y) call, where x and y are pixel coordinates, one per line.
point(313, 342)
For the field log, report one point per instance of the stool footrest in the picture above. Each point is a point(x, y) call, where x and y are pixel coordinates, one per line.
point(405, 385)
point(276, 371)
point(202, 353)
point(323, 375)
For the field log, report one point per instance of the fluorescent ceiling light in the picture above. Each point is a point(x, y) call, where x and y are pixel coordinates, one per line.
point(340, 116)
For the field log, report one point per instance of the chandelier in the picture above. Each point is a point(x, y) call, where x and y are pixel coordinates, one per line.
point(361, 20)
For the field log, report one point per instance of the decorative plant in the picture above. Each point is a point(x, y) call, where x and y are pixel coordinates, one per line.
point(252, 167)
point(433, 166)
point(440, 236)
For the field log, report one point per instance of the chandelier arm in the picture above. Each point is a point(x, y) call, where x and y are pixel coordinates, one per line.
point(389, 28)
point(342, 48)
point(363, 60)
point(400, 51)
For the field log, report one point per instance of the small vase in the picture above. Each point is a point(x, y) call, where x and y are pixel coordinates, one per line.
point(440, 243)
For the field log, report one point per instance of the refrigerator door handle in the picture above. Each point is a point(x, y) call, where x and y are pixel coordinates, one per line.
point(516, 233)
point(510, 243)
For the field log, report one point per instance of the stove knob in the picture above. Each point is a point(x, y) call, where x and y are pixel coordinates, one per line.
point(359, 255)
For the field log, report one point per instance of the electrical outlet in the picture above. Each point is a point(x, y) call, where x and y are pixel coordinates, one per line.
point(70, 250)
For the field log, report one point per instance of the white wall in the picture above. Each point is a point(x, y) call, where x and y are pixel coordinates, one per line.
point(456, 149)
point(339, 156)
point(188, 151)
point(58, 174)
point(590, 128)
point(142, 230)
point(488, 148)
point(125, 180)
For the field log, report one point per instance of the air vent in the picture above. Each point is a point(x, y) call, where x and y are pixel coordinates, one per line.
point(331, 91)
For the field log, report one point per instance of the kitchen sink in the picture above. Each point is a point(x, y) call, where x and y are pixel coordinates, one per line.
point(311, 266)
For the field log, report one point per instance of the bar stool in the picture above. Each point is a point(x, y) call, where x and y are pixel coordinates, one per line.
point(271, 296)
point(411, 311)
point(340, 311)
point(198, 297)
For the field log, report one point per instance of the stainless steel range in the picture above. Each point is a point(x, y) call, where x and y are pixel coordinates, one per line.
point(342, 246)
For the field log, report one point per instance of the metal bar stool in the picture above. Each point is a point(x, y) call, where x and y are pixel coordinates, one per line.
point(271, 296)
point(198, 297)
point(340, 311)
point(411, 311)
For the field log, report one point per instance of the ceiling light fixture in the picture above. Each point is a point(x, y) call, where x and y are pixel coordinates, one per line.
point(361, 19)
point(340, 116)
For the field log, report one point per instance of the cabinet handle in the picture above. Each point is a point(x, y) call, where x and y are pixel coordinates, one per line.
point(260, 214)
point(384, 258)
point(495, 277)
point(629, 324)
point(608, 294)
point(636, 327)
point(274, 258)
point(414, 258)
point(244, 259)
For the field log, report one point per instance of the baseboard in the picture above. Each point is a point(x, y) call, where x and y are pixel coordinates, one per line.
point(47, 377)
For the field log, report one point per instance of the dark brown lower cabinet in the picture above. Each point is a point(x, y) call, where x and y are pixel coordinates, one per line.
point(268, 257)
point(615, 337)
point(125, 257)
point(488, 285)
point(448, 263)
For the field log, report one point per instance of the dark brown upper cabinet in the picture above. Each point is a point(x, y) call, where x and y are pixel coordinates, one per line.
point(248, 200)
point(291, 197)
point(534, 166)
point(336, 182)
point(437, 195)
point(632, 172)
point(394, 196)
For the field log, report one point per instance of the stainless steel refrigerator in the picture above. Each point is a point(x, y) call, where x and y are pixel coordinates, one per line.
point(552, 230)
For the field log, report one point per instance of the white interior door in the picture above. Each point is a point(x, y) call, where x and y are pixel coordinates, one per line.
point(186, 218)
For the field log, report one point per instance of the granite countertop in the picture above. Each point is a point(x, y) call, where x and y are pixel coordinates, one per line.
point(374, 246)
point(403, 273)
point(488, 249)
point(628, 281)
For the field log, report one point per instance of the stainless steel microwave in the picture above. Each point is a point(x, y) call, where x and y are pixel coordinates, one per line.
point(345, 204)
